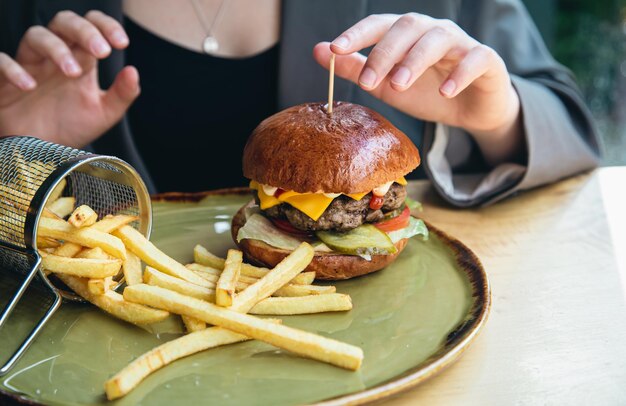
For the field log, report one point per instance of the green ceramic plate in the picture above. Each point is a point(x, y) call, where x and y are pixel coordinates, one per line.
point(412, 319)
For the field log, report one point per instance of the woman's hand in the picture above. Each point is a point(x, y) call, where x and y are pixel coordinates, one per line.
point(51, 89)
point(431, 69)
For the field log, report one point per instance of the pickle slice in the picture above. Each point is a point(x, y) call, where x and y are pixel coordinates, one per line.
point(394, 213)
point(363, 240)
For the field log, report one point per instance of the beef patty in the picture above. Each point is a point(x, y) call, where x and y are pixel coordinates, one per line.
point(343, 214)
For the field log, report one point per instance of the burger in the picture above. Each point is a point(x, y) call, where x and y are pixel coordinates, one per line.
point(334, 180)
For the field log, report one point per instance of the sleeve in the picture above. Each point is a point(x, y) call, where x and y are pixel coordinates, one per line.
point(560, 135)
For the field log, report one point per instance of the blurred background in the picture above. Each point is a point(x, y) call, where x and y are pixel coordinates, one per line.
point(589, 37)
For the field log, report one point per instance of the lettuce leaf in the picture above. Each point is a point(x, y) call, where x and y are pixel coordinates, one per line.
point(413, 204)
point(258, 227)
point(415, 227)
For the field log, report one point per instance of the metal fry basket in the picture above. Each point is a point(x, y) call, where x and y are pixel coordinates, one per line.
point(31, 172)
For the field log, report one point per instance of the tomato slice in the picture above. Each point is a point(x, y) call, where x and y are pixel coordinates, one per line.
point(396, 223)
point(286, 226)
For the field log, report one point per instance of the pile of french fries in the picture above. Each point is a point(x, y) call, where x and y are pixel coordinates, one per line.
point(215, 297)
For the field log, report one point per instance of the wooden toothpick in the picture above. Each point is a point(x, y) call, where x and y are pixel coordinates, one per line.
point(331, 84)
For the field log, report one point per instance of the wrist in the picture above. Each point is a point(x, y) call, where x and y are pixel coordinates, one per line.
point(504, 141)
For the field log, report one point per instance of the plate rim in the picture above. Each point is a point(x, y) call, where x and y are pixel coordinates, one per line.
point(458, 341)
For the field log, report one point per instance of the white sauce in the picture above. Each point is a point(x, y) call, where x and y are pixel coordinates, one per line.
point(382, 190)
point(269, 190)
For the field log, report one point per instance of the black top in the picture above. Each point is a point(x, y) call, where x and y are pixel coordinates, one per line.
point(196, 110)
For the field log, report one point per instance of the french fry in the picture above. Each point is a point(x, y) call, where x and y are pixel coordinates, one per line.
point(194, 266)
point(49, 214)
point(92, 253)
point(106, 225)
point(249, 273)
point(212, 275)
point(43, 242)
point(156, 278)
point(303, 278)
point(100, 286)
point(87, 237)
point(192, 324)
point(304, 290)
point(282, 273)
point(154, 257)
point(332, 302)
point(83, 216)
point(111, 223)
point(57, 192)
point(300, 342)
point(206, 273)
point(129, 377)
point(202, 256)
point(62, 206)
point(13, 198)
point(289, 290)
point(23, 175)
point(83, 267)
point(225, 288)
point(68, 249)
point(12, 229)
point(114, 304)
point(211, 280)
point(132, 269)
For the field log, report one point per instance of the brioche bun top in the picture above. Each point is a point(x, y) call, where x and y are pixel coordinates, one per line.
point(304, 149)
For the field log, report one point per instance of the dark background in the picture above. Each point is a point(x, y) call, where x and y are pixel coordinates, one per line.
point(589, 37)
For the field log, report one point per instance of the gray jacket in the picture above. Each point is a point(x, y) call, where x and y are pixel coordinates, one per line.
point(560, 135)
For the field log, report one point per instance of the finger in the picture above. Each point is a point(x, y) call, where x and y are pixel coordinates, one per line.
point(15, 74)
point(121, 94)
point(437, 43)
point(39, 43)
point(77, 30)
point(347, 67)
point(478, 62)
point(391, 49)
point(111, 28)
point(363, 34)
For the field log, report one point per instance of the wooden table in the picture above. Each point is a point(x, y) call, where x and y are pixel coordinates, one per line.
point(556, 259)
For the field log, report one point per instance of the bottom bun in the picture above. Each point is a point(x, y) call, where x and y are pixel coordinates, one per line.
point(326, 265)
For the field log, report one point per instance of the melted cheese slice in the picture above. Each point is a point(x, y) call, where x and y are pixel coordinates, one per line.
point(265, 201)
point(311, 204)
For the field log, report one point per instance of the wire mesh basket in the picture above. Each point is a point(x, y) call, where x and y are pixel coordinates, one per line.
point(33, 172)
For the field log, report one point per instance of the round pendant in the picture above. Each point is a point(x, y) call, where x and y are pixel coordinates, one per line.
point(210, 45)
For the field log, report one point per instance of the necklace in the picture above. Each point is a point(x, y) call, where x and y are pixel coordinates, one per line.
point(210, 44)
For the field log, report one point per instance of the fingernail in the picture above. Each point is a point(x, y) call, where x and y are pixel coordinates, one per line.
point(70, 66)
point(341, 42)
point(26, 82)
point(119, 38)
point(402, 76)
point(448, 87)
point(368, 77)
point(100, 47)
